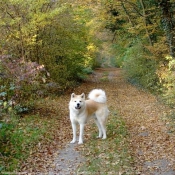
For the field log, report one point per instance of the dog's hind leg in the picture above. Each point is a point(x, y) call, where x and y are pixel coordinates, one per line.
point(99, 127)
point(102, 124)
point(103, 128)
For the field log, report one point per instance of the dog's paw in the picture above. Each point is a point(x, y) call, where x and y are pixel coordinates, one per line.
point(98, 137)
point(104, 138)
point(73, 141)
point(80, 143)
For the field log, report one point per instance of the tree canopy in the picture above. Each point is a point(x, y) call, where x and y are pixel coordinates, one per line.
point(70, 38)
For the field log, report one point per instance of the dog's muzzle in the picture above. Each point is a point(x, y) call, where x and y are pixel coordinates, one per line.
point(78, 106)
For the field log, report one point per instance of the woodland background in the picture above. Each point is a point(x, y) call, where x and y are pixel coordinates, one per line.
point(49, 46)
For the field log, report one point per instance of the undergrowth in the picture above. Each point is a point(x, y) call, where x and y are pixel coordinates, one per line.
point(140, 69)
point(17, 138)
point(30, 140)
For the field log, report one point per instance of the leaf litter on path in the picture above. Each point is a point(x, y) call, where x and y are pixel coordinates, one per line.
point(151, 145)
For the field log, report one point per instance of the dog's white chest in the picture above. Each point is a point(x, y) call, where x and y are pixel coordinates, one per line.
point(78, 116)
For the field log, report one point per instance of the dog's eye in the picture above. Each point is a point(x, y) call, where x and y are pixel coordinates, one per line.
point(80, 101)
point(75, 101)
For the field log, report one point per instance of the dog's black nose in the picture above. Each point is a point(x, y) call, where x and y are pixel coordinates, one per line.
point(78, 106)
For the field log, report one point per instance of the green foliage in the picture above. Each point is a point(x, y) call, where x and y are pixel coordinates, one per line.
point(120, 48)
point(21, 82)
point(6, 94)
point(17, 137)
point(74, 56)
point(114, 62)
point(143, 61)
point(167, 79)
point(140, 69)
point(52, 33)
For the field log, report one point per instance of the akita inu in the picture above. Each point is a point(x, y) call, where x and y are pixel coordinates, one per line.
point(81, 110)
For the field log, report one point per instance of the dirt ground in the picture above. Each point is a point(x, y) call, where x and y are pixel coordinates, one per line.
point(151, 142)
point(151, 139)
point(151, 133)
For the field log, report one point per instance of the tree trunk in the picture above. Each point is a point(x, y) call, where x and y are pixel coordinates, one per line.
point(145, 23)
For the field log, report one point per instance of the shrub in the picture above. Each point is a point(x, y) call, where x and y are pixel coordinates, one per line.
point(140, 68)
point(20, 83)
point(167, 79)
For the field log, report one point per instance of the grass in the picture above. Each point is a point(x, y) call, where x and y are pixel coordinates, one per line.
point(17, 138)
point(110, 156)
point(171, 121)
point(34, 136)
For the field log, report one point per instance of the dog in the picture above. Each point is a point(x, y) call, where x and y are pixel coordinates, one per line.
point(81, 110)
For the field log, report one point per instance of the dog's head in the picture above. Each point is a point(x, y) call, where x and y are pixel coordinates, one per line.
point(77, 101)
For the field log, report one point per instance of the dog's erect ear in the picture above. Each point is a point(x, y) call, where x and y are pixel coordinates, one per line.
point(82, 95)
point(72, 95)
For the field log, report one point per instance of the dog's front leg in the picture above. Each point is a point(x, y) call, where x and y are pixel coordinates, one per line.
point(74, 128)
point(81, 133)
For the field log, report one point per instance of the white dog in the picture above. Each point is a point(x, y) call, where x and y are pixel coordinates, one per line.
point(81, 110)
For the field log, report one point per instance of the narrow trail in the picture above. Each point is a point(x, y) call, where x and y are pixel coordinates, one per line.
point(151, 143)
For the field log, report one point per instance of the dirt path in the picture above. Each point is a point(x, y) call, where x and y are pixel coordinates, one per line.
point(67, 161)
point(152, 144)
point(152, 141)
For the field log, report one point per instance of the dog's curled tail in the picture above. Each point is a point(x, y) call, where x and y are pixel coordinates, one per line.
point(98, 95)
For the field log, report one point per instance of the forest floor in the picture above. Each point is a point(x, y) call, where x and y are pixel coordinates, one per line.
point(141, 136)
